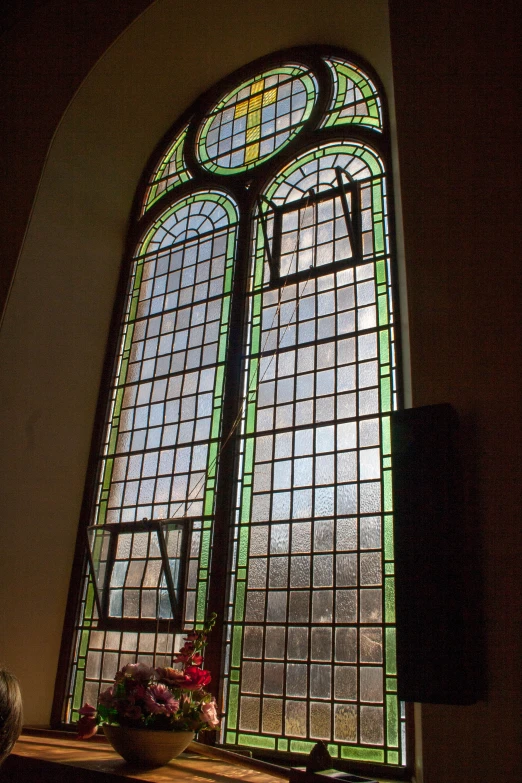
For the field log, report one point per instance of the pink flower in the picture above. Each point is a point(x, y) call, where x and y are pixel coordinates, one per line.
point(209, 714)
point(87, 726)
point(185, 654)
point(133, 712)
point(87, 709)
point(158, 699)
point(136, 671)
point(106, 698)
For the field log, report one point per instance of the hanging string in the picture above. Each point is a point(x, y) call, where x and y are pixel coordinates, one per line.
point(256, 383)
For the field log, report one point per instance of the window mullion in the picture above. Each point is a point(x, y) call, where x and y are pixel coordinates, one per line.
point(226, 486)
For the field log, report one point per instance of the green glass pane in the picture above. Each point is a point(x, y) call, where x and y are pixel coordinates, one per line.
point(389, 600)
point(378, 237)
point(298, 746)
point(388, 537)
point(391, 684)
point(102, 513)
point(245, 505)
point(282, 744)
point(233, 697)
point(201, 605)
point(387, 482)
point(205, 550)
point(386, 435)
point(242, 559)
point(384, 346)
point(391, 652)
point(254, 741)
point(392, 721)
point(240, 602)
point(89, 606)
point(78, 690)
point(249, 455)
point(385, 394)
point(231, 738)
point(383, 309)
point(362, 754)
point(107, 473)
point(236, 646)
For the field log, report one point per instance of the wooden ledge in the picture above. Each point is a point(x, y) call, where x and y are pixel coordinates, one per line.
point(61, 759)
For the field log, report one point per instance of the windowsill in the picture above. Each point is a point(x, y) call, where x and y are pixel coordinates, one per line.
point(55, 756)
point(46, 758)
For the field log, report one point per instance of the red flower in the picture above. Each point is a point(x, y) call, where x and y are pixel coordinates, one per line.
point(195, 678)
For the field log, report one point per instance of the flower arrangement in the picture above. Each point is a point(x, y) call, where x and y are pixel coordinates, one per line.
point(167, 699)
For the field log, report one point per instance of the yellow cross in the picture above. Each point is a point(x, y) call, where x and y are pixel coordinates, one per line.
point(252, 108)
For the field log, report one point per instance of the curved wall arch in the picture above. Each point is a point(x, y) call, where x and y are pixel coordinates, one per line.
point(56, 322)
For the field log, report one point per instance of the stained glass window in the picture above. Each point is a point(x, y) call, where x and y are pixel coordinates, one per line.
point(258, 324)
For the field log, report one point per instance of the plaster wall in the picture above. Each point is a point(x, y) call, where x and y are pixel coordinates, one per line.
point(455, 71)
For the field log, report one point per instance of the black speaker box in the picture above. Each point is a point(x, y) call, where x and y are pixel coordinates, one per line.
point(434, 642)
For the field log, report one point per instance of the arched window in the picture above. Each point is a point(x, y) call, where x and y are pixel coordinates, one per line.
point(245, 463)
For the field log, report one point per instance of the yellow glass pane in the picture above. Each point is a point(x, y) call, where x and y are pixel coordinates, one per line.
point(270, 96)
point(251, 152)
point(241, 109)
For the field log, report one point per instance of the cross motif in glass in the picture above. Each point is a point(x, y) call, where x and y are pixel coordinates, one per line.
point(252, 107)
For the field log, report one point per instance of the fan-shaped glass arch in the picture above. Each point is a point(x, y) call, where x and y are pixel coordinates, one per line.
point(170, 172)
point(254, 377)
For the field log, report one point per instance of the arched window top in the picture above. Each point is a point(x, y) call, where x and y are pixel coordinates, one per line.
point(317, 169)
point(248, 124)
point(190, 218)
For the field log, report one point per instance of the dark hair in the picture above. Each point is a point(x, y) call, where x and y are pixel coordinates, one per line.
point(10, 712)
